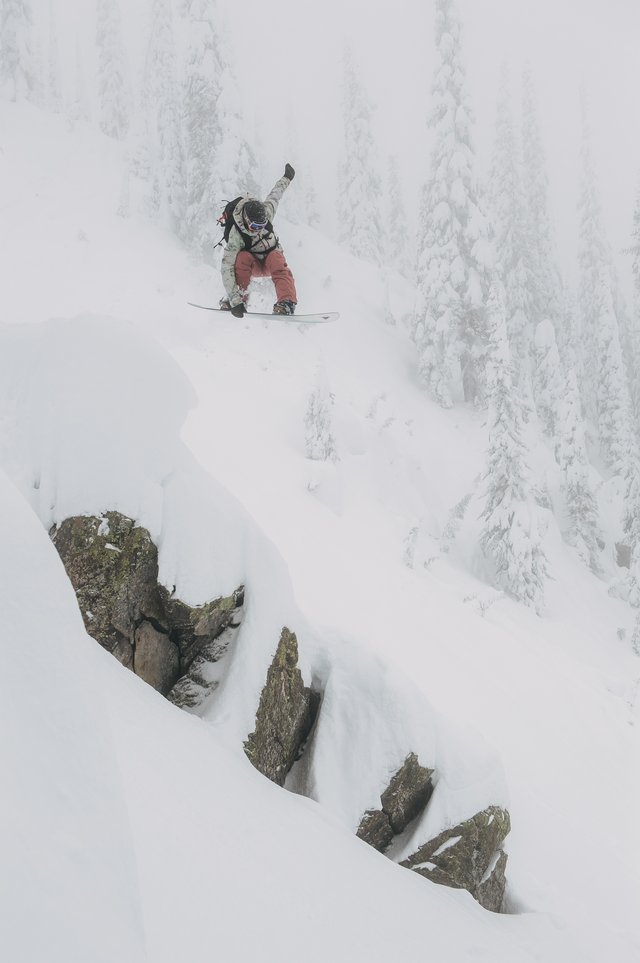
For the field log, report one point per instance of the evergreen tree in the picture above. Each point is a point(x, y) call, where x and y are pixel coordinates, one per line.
point(604, 388)
point(583, 531)
point(114, 94)
point(612, 397)
point(548, 379)
point(236, 162)
point(632, 345)
point(510, 225)
point(545, 280)
point(635, 638)
point(510, 536)
point(630, 588)
point(629, 335)
point(397, 246)
point(359, 187)
point(17, 69)
point(454, 252)
point(567, 330)
point(160, 103)
point(319, 442)
point(631, 515)
point(201, 135)
point(218, 162)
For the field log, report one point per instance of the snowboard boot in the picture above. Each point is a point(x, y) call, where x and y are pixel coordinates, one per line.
point(225, 304)
point(284, 307)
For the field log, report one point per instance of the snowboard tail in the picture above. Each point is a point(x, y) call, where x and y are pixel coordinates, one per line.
point(318, 318)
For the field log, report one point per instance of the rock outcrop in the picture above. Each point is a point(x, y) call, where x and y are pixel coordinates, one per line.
point(285, 716)
point(404, 798)
point(113, 566)
point(179, 650)
point(468, 856)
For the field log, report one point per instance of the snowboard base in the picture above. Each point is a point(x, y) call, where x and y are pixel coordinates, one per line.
point(291, 318)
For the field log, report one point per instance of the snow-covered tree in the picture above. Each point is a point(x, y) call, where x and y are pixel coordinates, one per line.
point(235, 160)
point(511, 243)
point(567, 329)
point(604, 387)
point(545, 280)
point(359, 186)
point(629, 335)
point(631, 525)
point(17, 70)
point(454, 252)
point(612, 397)
point(114, 93)
point(631, 339)
point(510, 536)
point(581, 510)
point(201, 135)
point(160, 99)
point(548, 380)
point(635, 638)
point(218, 162)
point(319, 442)
point(397, 239)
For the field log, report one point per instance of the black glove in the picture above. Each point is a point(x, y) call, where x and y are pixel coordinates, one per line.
point(289, 171)
point(239, 310)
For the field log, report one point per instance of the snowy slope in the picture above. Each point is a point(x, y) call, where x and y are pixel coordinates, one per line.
point(555, 695)
point(130, 832)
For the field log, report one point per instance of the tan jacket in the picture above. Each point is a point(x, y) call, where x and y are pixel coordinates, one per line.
point(265, 241)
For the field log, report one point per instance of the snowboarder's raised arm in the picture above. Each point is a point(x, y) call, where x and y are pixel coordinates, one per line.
point(274, 197)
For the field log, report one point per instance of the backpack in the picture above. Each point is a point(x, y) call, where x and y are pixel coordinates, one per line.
point(226, 222)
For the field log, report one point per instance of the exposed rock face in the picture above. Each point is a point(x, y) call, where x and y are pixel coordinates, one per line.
point(156, 657)
point(113, 566)
point(407, 794)
point(285, 716)
point(376, 830)
point(404, 798)
point(490, 893)
point(468, 856)
point(178, 649)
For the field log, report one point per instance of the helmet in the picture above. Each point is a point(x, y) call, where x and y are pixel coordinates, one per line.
point(255, 215)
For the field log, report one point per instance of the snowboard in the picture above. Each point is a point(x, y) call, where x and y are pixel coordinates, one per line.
point(292, 318)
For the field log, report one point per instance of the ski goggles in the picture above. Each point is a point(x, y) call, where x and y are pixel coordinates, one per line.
point(254, 226)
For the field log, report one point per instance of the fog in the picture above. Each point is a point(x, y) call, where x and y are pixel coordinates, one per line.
point(287, 57)
point(568, 44)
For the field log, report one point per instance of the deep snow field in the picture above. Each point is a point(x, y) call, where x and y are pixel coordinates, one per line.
point(133, 831)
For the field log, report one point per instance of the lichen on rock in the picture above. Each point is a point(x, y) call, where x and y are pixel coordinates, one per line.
point(468, 856)
point(112, 564)
point(285, 716)
point(404, 798)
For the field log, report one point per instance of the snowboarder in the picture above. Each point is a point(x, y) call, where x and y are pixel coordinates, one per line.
point(253, 250)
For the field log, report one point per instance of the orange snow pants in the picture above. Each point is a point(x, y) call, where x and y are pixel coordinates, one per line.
point(273, 266)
